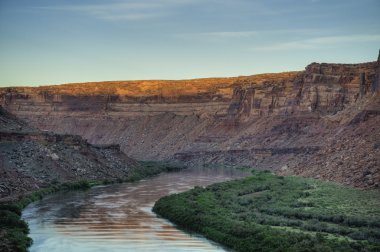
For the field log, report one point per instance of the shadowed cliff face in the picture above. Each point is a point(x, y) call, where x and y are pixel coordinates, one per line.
point(31, 159)
point(320, 122)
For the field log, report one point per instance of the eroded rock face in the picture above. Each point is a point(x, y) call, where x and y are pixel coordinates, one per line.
point(31, 159)
point(296, 120)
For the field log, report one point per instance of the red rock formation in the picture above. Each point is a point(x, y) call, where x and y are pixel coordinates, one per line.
point(294, 123)
point(30, 159)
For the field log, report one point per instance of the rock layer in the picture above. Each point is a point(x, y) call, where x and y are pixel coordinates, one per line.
point(321, 122)
point(30, 159)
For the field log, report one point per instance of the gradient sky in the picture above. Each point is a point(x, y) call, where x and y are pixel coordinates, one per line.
point(61, 41)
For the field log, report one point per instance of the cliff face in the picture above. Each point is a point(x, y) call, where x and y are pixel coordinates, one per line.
point(321, 122)
point(31, 159)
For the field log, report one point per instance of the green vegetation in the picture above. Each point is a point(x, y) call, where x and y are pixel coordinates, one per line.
point(150, 169)
point(14, 231)
point(265, 212)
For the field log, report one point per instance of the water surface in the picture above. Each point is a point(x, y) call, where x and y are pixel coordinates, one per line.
point(118, 217)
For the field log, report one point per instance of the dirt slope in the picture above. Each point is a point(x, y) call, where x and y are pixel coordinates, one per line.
point(31, 159)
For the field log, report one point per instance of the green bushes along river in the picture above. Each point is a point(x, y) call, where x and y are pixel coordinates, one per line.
point(265, 212)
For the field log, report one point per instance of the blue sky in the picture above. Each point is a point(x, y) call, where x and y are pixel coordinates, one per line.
point(52, 42)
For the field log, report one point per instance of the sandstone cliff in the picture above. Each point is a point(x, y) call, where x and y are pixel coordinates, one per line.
point(321, 122)
point(31, 159)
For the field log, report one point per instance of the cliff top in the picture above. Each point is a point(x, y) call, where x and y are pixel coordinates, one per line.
point(140, 88)
point(176, 88)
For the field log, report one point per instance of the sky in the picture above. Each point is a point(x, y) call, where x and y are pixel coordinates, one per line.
point(53, 42)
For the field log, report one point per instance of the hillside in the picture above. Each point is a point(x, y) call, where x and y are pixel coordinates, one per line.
point(31, 159)
point(321, 122)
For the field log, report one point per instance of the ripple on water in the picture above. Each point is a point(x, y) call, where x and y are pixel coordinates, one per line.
point(117, 217)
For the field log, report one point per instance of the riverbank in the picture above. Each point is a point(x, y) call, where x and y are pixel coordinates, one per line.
point(119, 217)
point(14, 231)
point(265, 212)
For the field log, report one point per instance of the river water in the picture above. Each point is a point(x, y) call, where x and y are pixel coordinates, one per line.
point(118, 217)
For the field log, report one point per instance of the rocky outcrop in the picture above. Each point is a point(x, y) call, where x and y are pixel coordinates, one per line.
point(290, 122)
point(30, 159)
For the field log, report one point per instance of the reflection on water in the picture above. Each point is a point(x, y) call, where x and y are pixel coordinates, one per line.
point(118, 217)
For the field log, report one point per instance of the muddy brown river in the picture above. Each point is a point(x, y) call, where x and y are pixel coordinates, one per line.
point(119, 217)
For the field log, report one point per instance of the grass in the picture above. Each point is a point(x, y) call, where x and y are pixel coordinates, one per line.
point(14, 231)
point(265, 212)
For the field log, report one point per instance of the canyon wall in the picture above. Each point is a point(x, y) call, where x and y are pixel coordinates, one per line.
point(322, 122)
point(31, 159)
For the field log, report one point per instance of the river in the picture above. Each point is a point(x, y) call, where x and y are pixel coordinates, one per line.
point(118, 217)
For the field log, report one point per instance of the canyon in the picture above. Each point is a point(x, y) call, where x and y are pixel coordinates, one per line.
point(322, 122)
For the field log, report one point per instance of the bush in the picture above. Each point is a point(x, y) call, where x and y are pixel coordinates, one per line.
point(277, 217)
